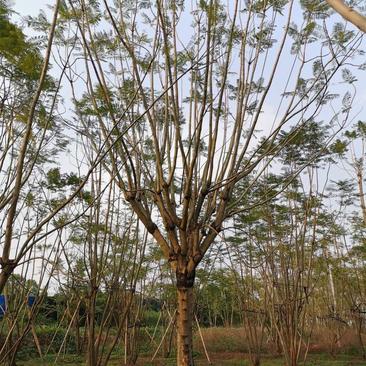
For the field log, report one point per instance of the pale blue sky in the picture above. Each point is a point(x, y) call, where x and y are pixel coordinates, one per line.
point(30, 7)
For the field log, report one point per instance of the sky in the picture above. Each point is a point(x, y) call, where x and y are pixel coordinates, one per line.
point(33, 7)
point(30, 7)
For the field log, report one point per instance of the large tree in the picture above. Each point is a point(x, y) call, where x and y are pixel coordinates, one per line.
point(185, 100)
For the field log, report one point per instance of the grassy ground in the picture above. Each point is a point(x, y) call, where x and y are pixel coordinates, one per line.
point(224, 346)
point(218, 359)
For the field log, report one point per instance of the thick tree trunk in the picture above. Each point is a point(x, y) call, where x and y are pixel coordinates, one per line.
point(184, 323)
point(3, 279)
point(185, 282)
point(7, 270)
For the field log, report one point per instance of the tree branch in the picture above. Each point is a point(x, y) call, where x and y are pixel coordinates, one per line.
point(348, 13)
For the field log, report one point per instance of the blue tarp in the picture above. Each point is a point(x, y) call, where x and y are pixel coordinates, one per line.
point(2, 305)
point(31, 300)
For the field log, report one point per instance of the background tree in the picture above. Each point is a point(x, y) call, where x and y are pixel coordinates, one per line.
point(28, 125)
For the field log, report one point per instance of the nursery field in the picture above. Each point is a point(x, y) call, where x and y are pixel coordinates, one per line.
point(224, 347)
point(217, 359)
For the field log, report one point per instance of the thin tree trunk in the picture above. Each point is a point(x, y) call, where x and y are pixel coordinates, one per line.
point(36, 339)
point(359, 333)
point(77, 333)
point(361, 192)
point(91, 360)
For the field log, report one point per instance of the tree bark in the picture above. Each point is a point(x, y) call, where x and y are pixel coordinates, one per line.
point(359, 172)
point(91, 357)
point(6, 272)
point(185, 276)
point(185, 323)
